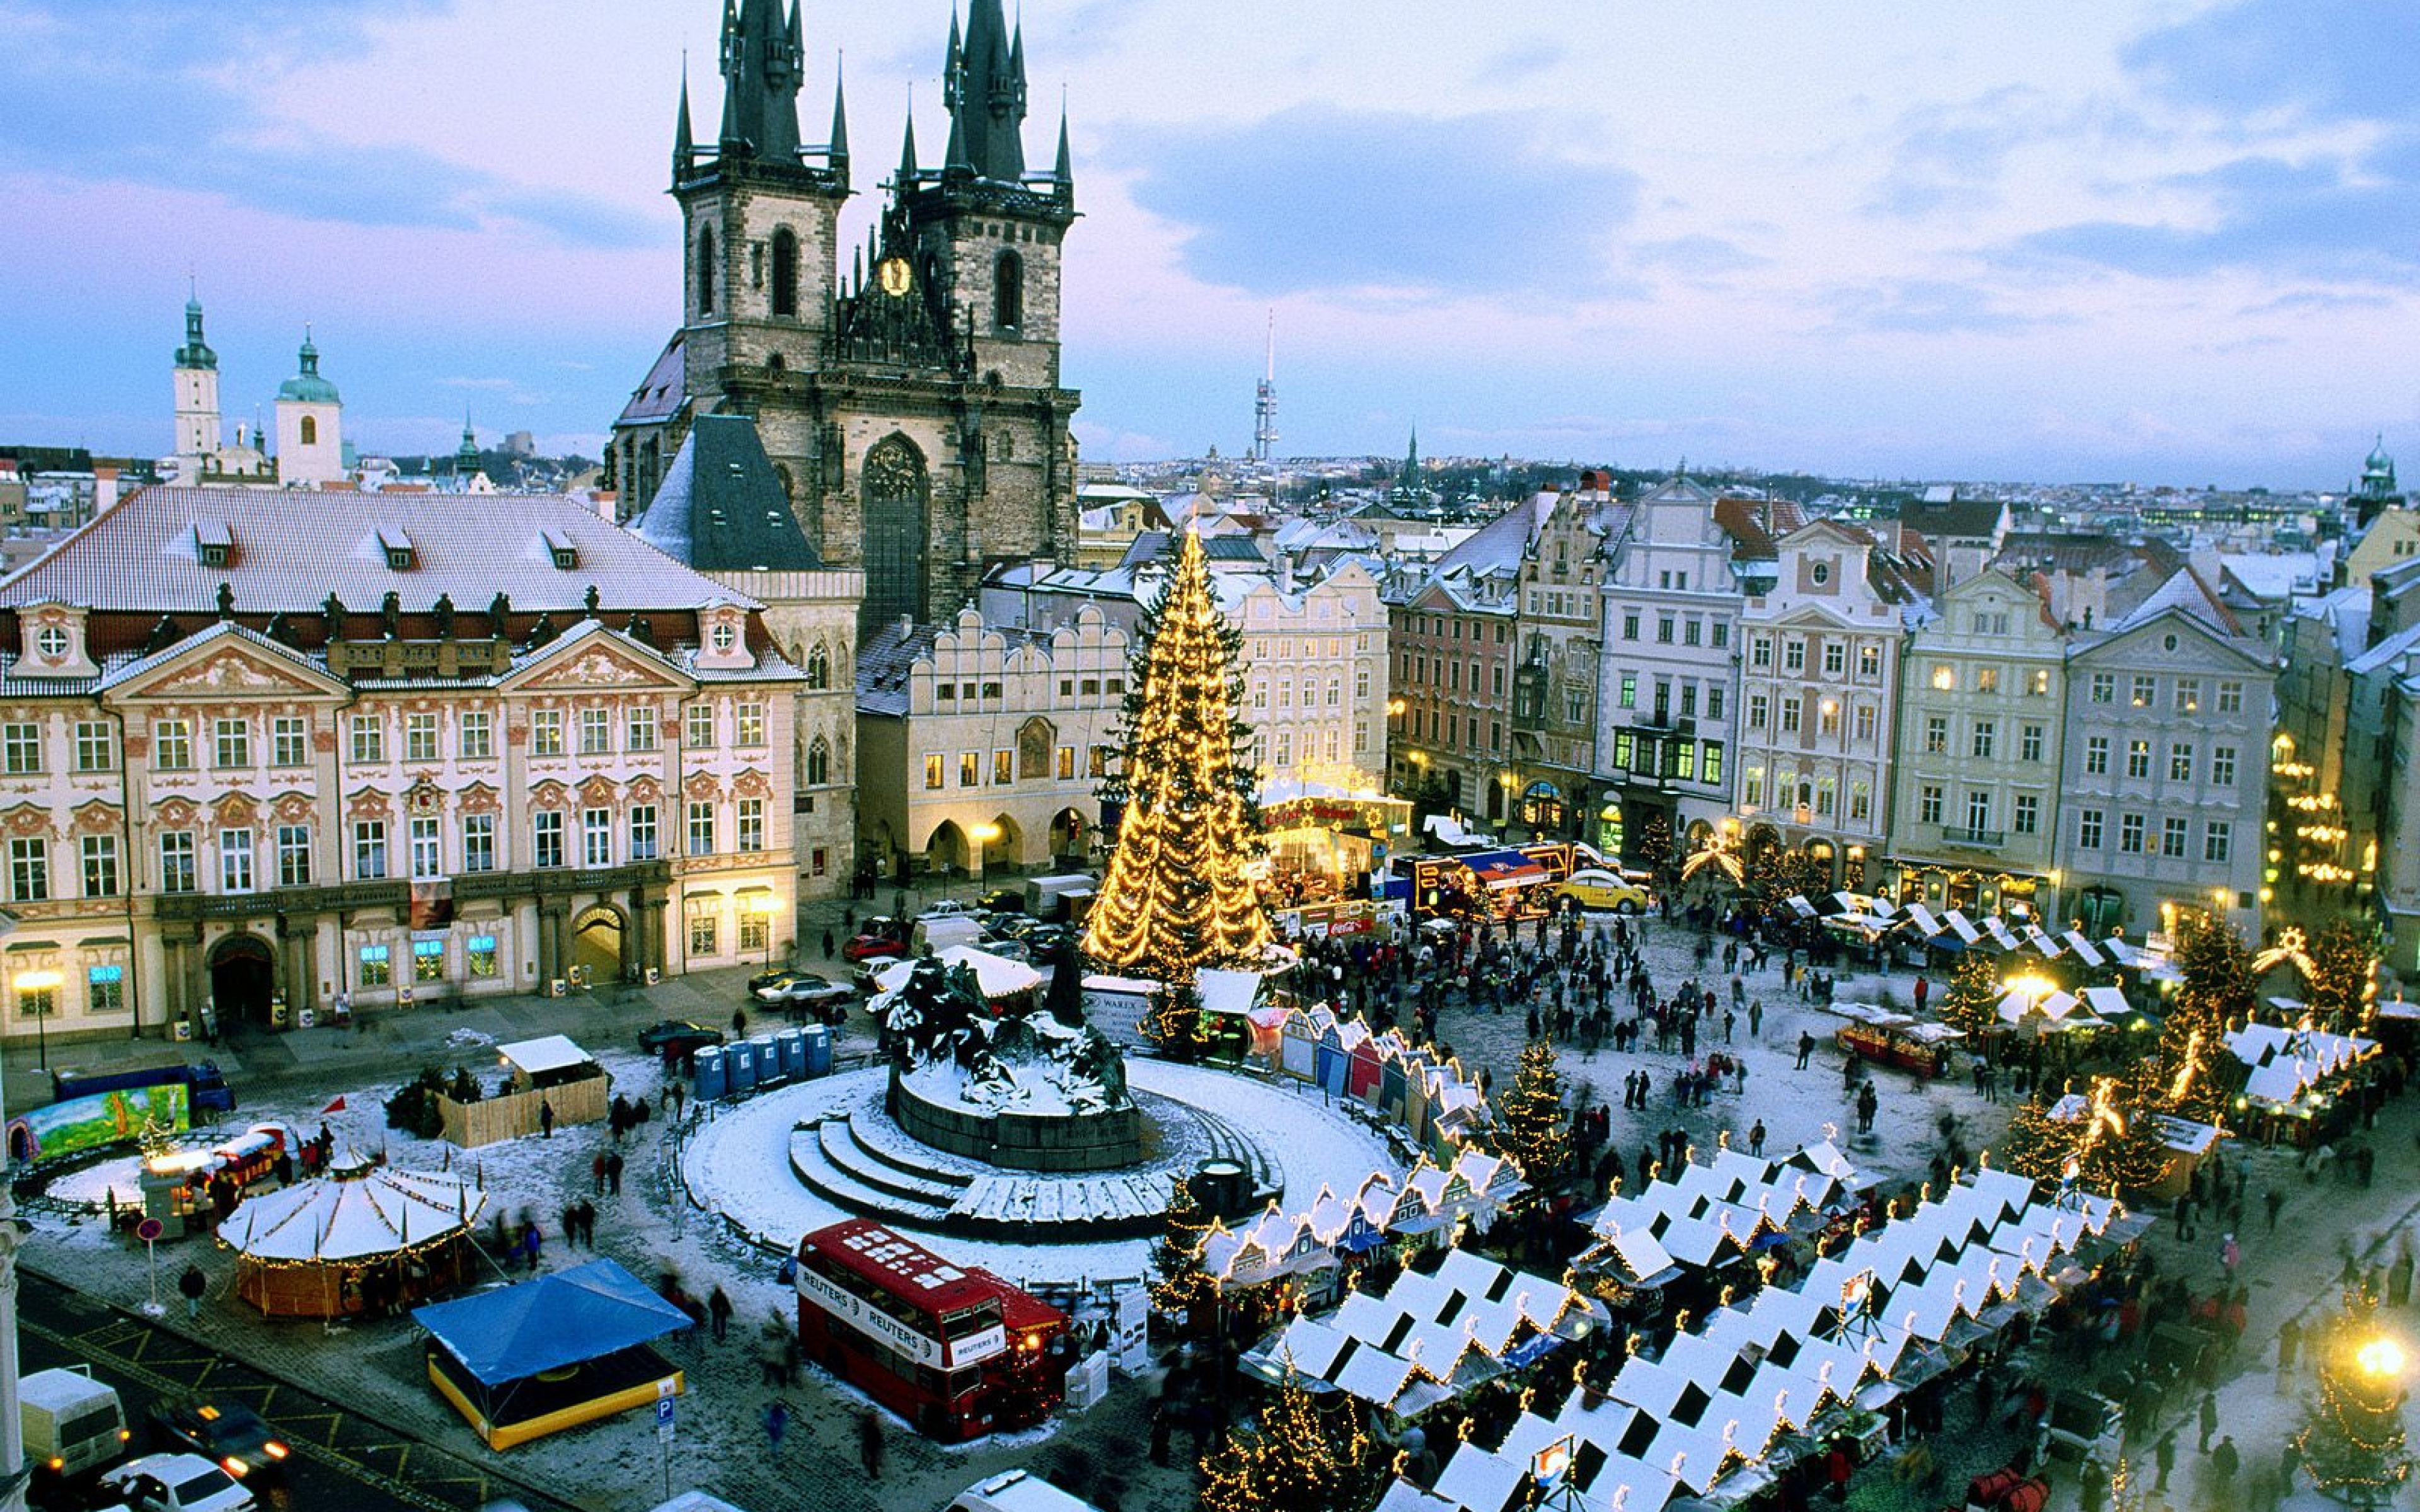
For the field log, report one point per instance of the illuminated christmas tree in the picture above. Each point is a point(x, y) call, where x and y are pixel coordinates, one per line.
point(1529, 1122)
point(2217, 992)
point(1177, 898)
point(1972, 1004)
point(1182, 1291)
point(2353, 1438)
point(2109, 1143)
point(1297, 1457)
point(2342, 979)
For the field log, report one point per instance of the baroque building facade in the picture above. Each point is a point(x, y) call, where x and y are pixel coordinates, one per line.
point(913, 408)
point(265, 750)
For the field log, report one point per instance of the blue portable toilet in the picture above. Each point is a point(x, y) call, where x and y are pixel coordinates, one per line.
point(815, 1045)
point(707, 1078)
point(768, 1059)
point(792, 1046)
point(739, 1068)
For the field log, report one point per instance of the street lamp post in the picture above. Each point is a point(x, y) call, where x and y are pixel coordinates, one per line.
point(764, 907)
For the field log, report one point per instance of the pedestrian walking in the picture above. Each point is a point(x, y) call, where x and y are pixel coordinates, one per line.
point(869, 1442)
point(1805, 1048)
point(546, 1118)
point(2163, 1453)
point(2226, 1460)
point(1756, 1019)
point(597, 1171)
point(192, 1285)
point(717, 1311)
point(2289, 1343)
point(1755, 1138)
point(613, 1168)
point(2209, 1419)
point(828, 951)
point(2273, 1199)
point(776, 1424)
point(739, 1023)
point(588, 1224)
point(571, 1226)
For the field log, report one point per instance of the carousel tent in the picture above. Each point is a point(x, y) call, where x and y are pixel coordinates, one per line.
point(568, 1347)
point(343, 1244)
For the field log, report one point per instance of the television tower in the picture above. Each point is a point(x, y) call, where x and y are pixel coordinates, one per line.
point(1264, 403)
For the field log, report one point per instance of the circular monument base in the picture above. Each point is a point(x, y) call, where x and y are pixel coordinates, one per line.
point(1017, 1138)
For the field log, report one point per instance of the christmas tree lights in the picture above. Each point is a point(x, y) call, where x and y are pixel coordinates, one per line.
point(1177, 897)
point(1529, 1128)
point(1183, 1292)
point(1295, 1456)
point(1972, 1004)
point(2217, 994)
point(2352, 1439)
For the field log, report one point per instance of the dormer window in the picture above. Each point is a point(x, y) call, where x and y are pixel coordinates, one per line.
point(214, 543)
point(401, 555)
point(559, 546)
point(725, 635)
point(51, 642)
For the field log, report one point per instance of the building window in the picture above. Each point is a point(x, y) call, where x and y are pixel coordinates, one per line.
point(1003, 767)
point(1986, 739)
point(1928, 803)
point(479, 842)
point(1835, 658)
point(96, 749)
point(1978, 812)
point(1823, 797)
point(29, 871)
point(1945, 678)
point(1097, 760)
point(2180, 763)
point(428, 959)
point(2146, 690)
point(1007, 291)
point(1691, 631)
point(2230, 696)
point(596, 732)
point(2188, 694)
point(369, 850)
point(546, 732)
point(970, 768)
point(1861, 802)
point(933, 772)
point(1790, 715)
point(369, 739)
point(99, 855)
point(1630, 624)
point(230, 744)
point(288, 743)
point(104, 990)
point(2096, 755)
point(1869, 661)
point(38, 994)
point(1752, 786)
point(786, 271)
point(2104, 687)
point(546, 839)
point(172, 745)
point(1936, 734)
point(756, 927)
point(2026, 815)
point(1827, 718)
point(2029, 742)
point(177, 861)
point(1760, 651)
point(751, 823)
point(750, 724)
point(2222, 767)
point(2218, 840)
point(1714, 700)
point(2088, 829)
point(1866, 721)
point(639, 726)
point(1794, 655)
point(420, 737)
point(1722, 634)
point(1663, 629)
point(2037, 683)
point(479, 955)
point(374, 972)
point(2172, 837)
point(1711, 762)
point(1759, 711)
point(426, 860)
point(1684, 761)
point(1987, 679)
point(310, 430)
point(596, 836)
point(705, 270)
point(478, 730)
point(235, 860)
point(1630, 691)
point(701, 727)
point(293, 856)
point(2129, 833)
point(701, 829)
point(2138, 758)
point(702, 931)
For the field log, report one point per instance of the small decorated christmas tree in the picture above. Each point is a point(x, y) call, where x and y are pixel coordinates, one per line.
point(1972, 1004)
point(2106, 1141)
point(2342, 986)
point(1177, 897)
point(2217, 994)
point(1295, 1455)
point(1529, 1121)
point(2353, 1438)
point(1181, 1290)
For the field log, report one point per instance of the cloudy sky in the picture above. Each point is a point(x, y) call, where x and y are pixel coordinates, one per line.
point(2162, 241)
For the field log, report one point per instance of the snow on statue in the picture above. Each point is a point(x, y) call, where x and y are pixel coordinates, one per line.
point(939, 1026)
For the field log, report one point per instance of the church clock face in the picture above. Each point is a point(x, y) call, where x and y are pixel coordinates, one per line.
point(897, 277)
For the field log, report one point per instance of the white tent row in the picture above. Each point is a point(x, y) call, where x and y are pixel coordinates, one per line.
point(1879, 916)
point(1692, 1215)
point(2282, 1065)
point(1717, 1403)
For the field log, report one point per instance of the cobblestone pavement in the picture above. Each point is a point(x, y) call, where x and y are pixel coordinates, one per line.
point(619, 1466)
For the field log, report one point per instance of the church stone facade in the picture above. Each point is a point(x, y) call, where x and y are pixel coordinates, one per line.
point(912, 406)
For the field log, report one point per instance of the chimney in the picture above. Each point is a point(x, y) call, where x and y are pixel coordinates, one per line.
point(606, 499)
point(7, 469)
point(104, 489)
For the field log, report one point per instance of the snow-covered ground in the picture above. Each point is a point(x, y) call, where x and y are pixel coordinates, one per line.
point(739, 1164)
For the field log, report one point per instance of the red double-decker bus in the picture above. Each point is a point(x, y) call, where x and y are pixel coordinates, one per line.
point(954, 1350)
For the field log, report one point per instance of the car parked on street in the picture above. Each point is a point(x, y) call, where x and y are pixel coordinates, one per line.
point(227, 1433)
point(676, 1039)
point(176, 1483)
point(1002, 901)
point(944, 907)
point(1598, 890)
point(871, 946)
point(801, 992)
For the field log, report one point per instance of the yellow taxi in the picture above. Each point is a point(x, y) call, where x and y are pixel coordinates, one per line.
point(1602, 891)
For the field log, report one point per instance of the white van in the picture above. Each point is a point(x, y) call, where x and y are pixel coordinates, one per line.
point(935, 934)
point(74, 1423)
point(1014, 1491)
point(1064, 896)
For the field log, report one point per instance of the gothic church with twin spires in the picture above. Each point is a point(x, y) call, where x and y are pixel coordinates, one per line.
point(911, 405)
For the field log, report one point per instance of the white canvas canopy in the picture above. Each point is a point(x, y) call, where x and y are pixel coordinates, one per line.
point(997, 975)
point(549, 1051)
point(358, 1219)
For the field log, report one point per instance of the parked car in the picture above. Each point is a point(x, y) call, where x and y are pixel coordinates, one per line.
point(1599, 890)
point(1002, 901)
point(227, 1432)
point(946, 907)
point(801, 992)
point(870, 946)
point(176, 1483)
point(677, 1039)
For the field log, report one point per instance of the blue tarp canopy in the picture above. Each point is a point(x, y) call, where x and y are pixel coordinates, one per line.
point(558, 1319)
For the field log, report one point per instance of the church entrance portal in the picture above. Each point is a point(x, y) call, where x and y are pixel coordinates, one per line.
point(597, 945)
point(244, 977)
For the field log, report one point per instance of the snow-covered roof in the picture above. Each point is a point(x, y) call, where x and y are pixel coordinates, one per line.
point(997, 975)
point(2283, 1064)
point(548, 1052)
point(351, 1219)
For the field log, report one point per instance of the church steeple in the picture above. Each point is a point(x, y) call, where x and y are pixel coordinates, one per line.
point(984, 87)
point(684, 137)
point(907, 169)
point(1063, 174)
point(837, 153)
point(195, 352)
point(762, 61)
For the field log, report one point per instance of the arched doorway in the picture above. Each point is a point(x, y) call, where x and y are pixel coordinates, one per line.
point(244, 977)
point(1003, 843)
point(1068, 835)
point(1541, 808)
point(895, 489)
point(597, 936)
point(946, 849)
